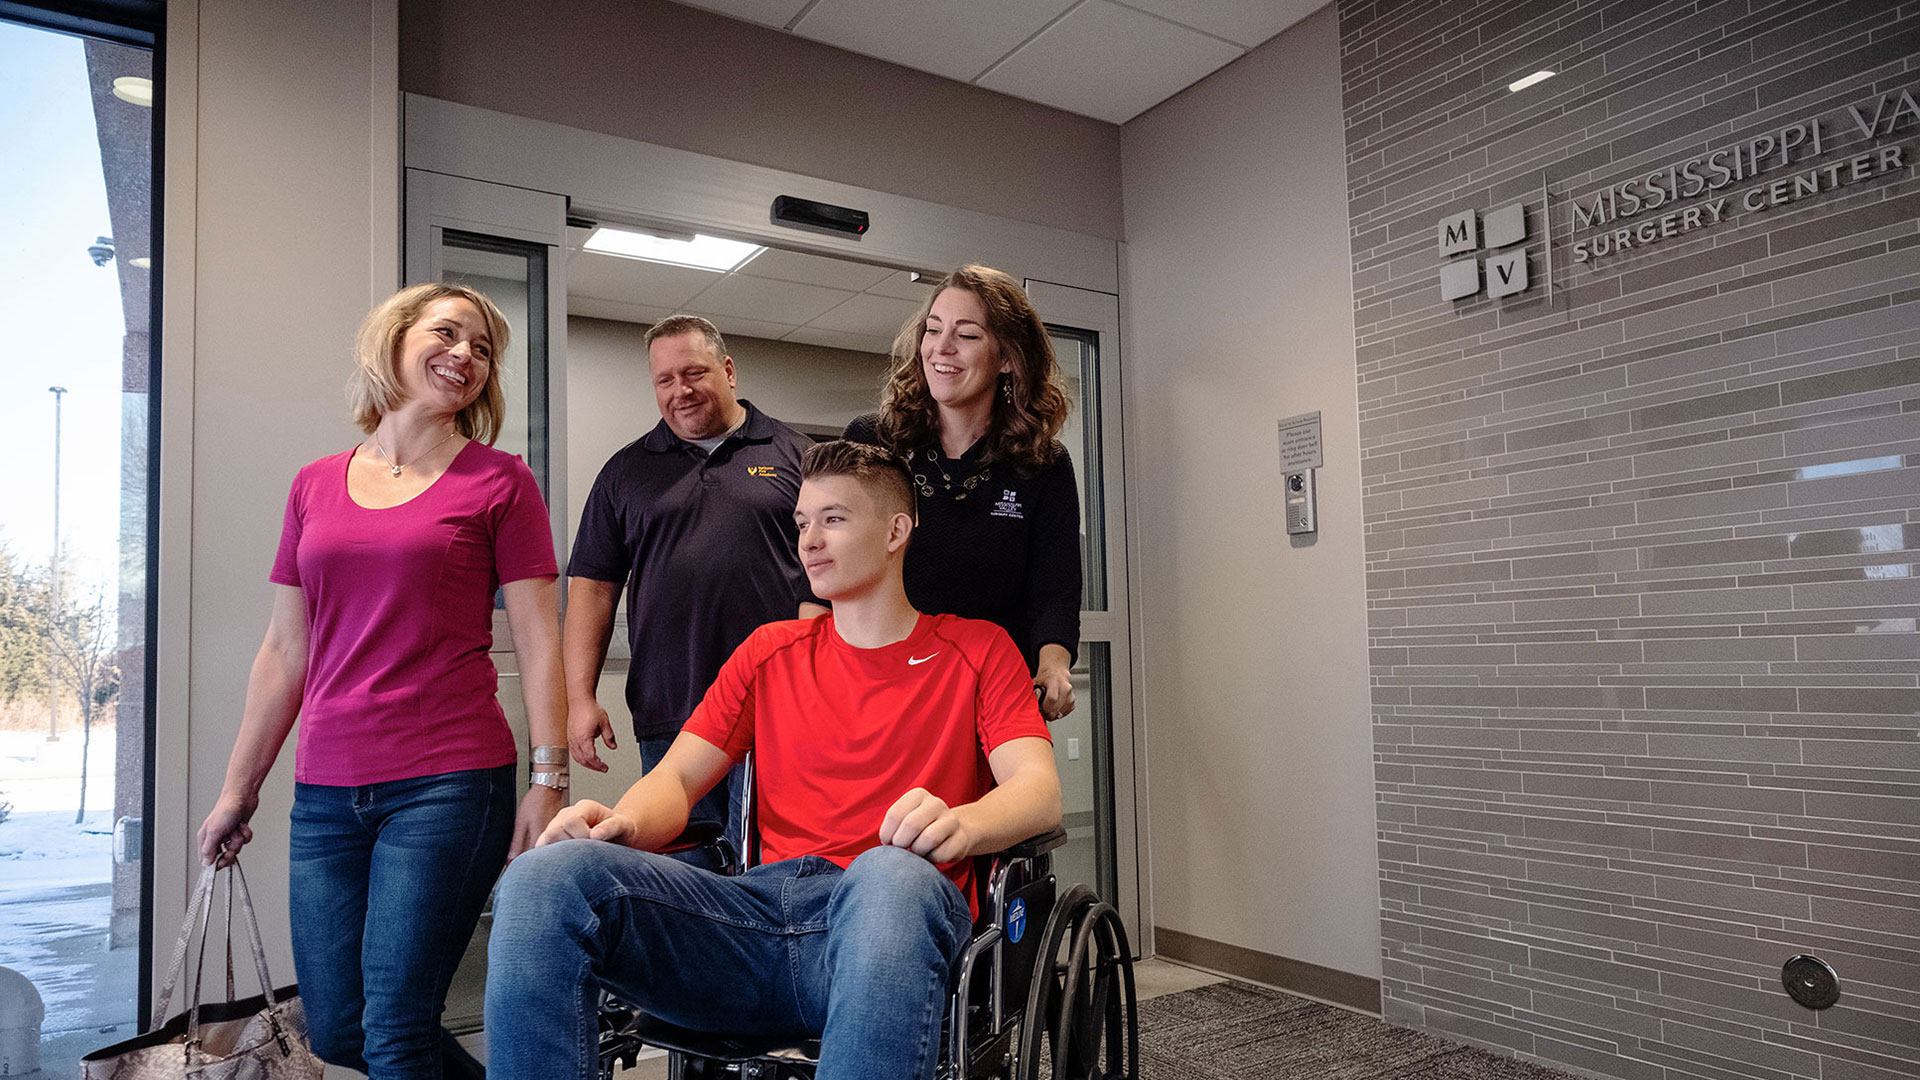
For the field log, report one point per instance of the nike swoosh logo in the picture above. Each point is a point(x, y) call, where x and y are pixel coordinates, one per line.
point(912, 660)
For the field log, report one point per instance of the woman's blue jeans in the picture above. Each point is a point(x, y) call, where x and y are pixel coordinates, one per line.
point(859, 958)
point(387, 884)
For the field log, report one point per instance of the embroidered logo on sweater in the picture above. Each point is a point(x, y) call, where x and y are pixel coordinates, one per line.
point(1009, 505)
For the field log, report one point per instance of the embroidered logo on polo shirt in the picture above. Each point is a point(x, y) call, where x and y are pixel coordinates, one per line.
point(762, 470)
point(1009, 505)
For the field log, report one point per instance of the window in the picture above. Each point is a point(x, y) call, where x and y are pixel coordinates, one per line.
point(76, 294)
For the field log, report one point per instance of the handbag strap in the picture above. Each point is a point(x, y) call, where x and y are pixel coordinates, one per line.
point(200, 899)
point(229, 953)
point(200, 909)
point(253, 935)
point(199, 969)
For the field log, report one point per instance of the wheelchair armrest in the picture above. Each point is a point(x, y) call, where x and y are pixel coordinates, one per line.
point(696, 834)
point(1035, 846)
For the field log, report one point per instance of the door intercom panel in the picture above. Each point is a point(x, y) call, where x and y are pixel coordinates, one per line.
point(1301, 515)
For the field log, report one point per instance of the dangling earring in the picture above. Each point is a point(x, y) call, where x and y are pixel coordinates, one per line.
point(1006, 387)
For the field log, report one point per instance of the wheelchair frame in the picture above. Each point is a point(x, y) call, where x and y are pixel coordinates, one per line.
point(1076, 1006)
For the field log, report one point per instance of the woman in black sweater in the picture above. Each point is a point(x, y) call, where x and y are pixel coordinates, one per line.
point(973, 402)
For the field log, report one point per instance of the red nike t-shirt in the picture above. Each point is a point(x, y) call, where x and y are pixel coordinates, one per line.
point(840, 733)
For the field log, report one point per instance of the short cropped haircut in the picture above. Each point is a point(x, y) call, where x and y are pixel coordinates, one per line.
point(882, 474)
point(373, 389)
point(675, 325)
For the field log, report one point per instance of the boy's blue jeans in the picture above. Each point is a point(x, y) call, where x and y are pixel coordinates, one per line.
point(859, 958)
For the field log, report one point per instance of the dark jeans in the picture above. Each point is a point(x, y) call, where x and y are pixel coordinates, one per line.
point(387, 883)
point(720, 807)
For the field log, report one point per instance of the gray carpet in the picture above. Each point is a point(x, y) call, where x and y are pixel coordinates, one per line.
point(1234, 1030)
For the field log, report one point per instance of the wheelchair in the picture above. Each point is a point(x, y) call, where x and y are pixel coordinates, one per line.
point(1044, 988)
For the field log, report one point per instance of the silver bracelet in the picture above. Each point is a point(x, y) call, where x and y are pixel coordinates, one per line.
point(554, 780)
point(549, 755)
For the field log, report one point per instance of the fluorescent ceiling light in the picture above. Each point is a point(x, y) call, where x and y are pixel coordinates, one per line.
point(134, 90)
point(701, 252)
point(1537, 77)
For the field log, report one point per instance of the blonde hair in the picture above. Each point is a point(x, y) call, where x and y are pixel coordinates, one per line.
point(1022, 430)
point(373, 388)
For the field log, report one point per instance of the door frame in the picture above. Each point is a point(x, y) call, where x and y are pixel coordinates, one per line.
point(1077, 278)
point(436, 202)
point(1098, 312)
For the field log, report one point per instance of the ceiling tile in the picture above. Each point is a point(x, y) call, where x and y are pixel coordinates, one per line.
point(767, 300)
point(635, 281)
point(732, 326)
point(955, 38)
point(1236, 20)
point(765, 12)
point(840, 339)
point(901, 285)
point(618, 310)
point(878, 316)
point(815, 270)
point(1109, 62)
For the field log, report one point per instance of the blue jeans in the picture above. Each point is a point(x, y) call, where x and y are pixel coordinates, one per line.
point(721, 806)
point(859, 958)
point(387, 883)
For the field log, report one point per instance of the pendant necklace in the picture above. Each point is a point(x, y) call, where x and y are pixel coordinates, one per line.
point(395, 466)
point(947, 482)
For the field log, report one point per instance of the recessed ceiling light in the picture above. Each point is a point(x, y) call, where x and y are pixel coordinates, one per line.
point(134, 90)
point(1537, 77)
point(701, 252)
point(142, 262)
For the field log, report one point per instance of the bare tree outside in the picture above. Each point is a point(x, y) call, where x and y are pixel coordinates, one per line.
point(82, 654)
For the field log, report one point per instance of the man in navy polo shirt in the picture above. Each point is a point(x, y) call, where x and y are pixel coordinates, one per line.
point(695, 518)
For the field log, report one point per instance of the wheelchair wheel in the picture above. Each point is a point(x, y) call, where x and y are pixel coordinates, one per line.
point(1082, 1018)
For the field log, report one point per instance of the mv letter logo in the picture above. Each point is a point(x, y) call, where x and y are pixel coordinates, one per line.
point(1506, 271)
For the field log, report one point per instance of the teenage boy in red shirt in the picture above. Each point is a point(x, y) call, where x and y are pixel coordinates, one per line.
point(890, 748)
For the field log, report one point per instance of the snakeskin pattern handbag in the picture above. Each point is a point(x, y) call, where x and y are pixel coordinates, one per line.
point(263, 1037)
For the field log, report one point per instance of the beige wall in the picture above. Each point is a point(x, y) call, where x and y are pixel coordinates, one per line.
point(279, 224)
point(672, 75)
point(1254, 690)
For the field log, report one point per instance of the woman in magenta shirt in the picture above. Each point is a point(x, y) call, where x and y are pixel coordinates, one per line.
point(404, 771)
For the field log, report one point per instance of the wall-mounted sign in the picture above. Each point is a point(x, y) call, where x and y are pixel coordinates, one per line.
point(1300, 442)
point(1742, 177)
point(1503, 271)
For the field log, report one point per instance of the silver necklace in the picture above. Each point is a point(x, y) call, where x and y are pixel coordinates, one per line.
point(395, 466)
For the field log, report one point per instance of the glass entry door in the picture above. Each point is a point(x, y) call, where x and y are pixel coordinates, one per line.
point(1094, 745)
point(505, 242)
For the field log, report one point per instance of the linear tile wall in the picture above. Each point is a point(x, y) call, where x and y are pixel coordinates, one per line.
point(1641, 558)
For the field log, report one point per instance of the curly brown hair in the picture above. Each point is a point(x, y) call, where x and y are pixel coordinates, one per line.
point(1021, 432)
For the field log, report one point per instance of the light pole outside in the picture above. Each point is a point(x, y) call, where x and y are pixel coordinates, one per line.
point(53, 580)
